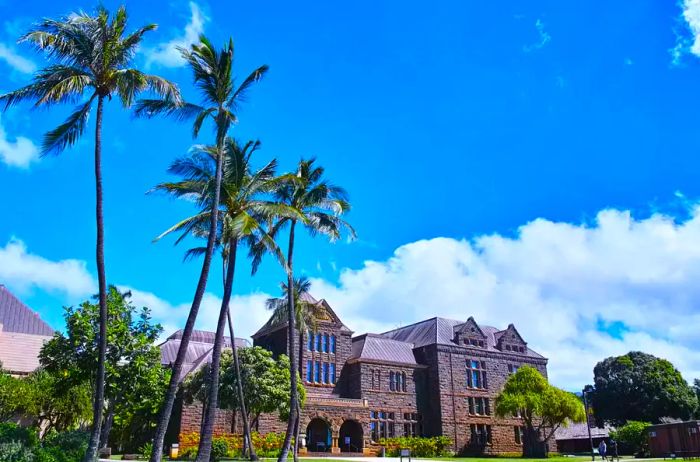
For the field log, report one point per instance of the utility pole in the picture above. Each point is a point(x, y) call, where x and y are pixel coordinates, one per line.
point(587, 389)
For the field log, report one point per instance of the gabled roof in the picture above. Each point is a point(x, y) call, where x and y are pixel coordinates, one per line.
point(273, 324)
point(513, 332)
point(441, 331)
point(374, 347)
point(470, 327)
point(17, 317)
point(198, 352)
point(579, 431)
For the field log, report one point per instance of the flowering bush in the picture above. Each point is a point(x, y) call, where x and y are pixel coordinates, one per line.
point(267, 445)
point(420, 447)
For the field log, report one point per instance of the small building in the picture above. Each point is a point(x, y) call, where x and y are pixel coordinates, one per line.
point(574, 439)
point(678, 439)
point(22, 334)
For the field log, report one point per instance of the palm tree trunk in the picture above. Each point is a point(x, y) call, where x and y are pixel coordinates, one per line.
point(204, 451)
point(291, 336)
point(167, 409)
point(241, 398)
point(91, 453)
point(107, 425)
point(297, 424)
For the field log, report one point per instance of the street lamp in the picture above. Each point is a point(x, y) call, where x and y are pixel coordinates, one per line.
point(587, 389)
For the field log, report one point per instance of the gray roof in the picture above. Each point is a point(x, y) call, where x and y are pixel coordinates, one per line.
point(577, 431)
point(198, 350)
point(273, 324)
point(17, 317)
point(441, 331)
point(378, 348)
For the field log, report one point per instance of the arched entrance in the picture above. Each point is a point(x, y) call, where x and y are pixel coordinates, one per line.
point(318, 436)
point(350, 436)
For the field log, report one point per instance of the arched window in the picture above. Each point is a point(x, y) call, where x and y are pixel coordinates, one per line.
point(403, 381)
point(392, 385)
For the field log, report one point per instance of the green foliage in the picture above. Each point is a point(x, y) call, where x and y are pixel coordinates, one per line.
point(15, 451)
point(640, 387)
point(146, 450)
point(265, 382)
point(55, 405)
point(632, 438)
point(419, 446)
point(219, 448)
point(67, 446)
point(135, 379)
point(543, 407)
point(13, 396)
point(10, 432)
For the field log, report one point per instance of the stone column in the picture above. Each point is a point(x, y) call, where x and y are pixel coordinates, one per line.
point(334, 448)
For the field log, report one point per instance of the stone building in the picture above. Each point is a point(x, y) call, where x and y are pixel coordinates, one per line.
point(435, 377)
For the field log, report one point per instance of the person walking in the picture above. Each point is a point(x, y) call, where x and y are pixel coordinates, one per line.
point(602, 449)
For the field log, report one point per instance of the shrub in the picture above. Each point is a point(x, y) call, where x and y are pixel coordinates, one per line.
point(65, 447)
point(15, 451)
point(10, 432)
point(268, 445)
point(632, 438)
point(219, 448)
point(146, 450)
point(420, 447)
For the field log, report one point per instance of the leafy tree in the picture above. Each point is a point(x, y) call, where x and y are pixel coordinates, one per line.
point(90, 57)
point(543, 408)
point(632, 438)
point(319, 205)
point(213, 77)
point(696, 388)
point(13, 395)
point(135, 378)
point(639, 386)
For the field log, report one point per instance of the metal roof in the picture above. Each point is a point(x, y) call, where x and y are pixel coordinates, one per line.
point(378, 348)
point(17, 317)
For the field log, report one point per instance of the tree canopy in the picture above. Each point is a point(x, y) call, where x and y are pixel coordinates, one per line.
point(543, 408)
point(639, 386)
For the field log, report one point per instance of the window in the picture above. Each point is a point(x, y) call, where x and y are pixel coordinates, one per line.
point(326, 378)
point(397, 381)
point(310, 341)
point(392, 378)
point(476, 374)
point(411, 425)
point(317, 372)
point(512, 368)
point(480, 434)
point(318, 342)
point(518, 435)
point(332, 344)
point(479, 406)
point(375, 383)
point(332, 372)
point(324, 345)
point(309, 370)
point(382, 425)
point(403, 381)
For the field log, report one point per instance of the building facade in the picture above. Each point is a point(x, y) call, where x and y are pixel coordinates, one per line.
point(435, 377)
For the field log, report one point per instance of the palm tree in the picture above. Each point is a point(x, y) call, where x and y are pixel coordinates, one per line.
point(243, 209)
point(319, 205)
point(221, 98)
point(307, 312)
point(90, 58)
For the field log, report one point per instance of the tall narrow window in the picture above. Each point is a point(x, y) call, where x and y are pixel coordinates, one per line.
point(324, 345)
point(476, 374)
point(326, 378)
point(310, 341)
point(332, 372)
point(391, 381)
point(318, 342)
point(332, 340)
point(403, 381)
point(309, 370)
point(518, 435)
point(317, 372)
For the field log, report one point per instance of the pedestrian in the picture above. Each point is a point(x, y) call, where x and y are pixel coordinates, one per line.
point(613, 450)
point(602, 449)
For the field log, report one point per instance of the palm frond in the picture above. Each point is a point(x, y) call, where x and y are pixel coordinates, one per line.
point(69, 131)
point(180, 111)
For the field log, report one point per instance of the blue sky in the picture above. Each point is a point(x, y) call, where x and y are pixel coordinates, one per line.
point(550, 146)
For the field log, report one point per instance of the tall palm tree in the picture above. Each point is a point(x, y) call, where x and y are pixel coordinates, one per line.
point(90, 56)
point(243, 208)
point(307, 313)
point(213, 77)
point(320, 205)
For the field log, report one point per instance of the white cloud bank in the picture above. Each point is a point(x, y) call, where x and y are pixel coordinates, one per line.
point(167, 54)
point(23, 270)
point(576, 292)
point(19, 153)
point(688, 35)
point(15, 60)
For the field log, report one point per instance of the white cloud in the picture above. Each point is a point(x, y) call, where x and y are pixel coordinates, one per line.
point(687, 36)
point(23, 271)
point(16, 61)
point(167, 54)
point(18, 153)
point(544, 38)
point(556, 281)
